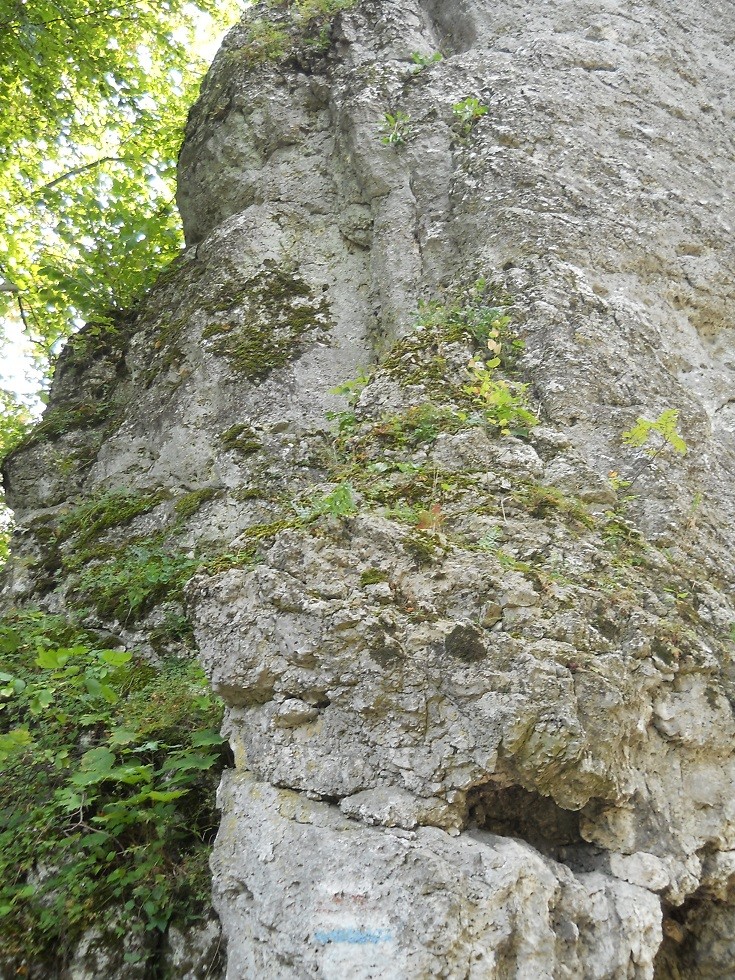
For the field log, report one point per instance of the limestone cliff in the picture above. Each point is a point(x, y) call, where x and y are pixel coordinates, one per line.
point(477, 657)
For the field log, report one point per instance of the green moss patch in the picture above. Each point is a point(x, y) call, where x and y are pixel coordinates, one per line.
point(288, 27)
point(420, 424)
point(541, 501)
point(272, 316)
point(58, 421)
point(190, 503)
point(113, 508)
point(240, 438)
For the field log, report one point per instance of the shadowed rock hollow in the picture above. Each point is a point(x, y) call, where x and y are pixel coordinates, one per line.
point(479, 694)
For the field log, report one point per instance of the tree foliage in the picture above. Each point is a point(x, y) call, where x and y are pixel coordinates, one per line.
point(94, 96)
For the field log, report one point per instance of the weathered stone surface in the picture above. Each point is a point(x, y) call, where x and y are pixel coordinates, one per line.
point(195, 953)
point(498, 744)
point(578, 183)
point(367, 902)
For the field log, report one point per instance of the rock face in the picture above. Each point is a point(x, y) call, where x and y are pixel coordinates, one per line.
point(479, 690)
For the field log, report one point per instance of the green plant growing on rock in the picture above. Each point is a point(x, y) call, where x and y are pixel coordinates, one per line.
point(491, 327)
point(305, 22)
point(190, 503)
point(269, 321)
point(346, 423)
point(339, 502)
point(425, 60)
point(504, 403)
point(240, 438)
point(351, 389)
point(655, 437)
point(420, 424)
point(110, 509)
point(468, 112)
point(266, 41)
point(431, 518)
point(57, 421)
point(480, 316)
point(395, 128)
point(621, 536)
point(308, 10)
point(540, 500)
point(129, 584)
point(491, 539)
point(389, 458)
point(373, 576)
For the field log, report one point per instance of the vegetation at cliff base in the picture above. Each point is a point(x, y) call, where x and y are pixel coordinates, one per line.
point(108, 768)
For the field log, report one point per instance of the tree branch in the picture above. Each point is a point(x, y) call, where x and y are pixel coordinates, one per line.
point(75, 171)
point(67, 18)
point(28, 330)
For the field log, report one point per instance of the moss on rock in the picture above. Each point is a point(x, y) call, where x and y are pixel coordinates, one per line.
point(269, 319)
point(240, 438)
point(190, 503)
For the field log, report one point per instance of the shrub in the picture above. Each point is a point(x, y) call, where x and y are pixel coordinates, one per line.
point(108, 769)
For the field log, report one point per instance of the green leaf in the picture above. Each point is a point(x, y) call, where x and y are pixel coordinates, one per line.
point(662, 430)
point(109, 694)
point(191, 760)
point(10, 639)
point(93, 685)
point(99, 761)
point(116, 658)
point(165, 796)
point(41, 700)
point(16, 685)
point(122, 736)
point(209, 737)
point(51, 659)
point(14, 741)
point(132, 775)
point(68, 800)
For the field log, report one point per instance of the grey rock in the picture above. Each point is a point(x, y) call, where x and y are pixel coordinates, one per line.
point(489, 906)
point(196, 953)
point(509, 753)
